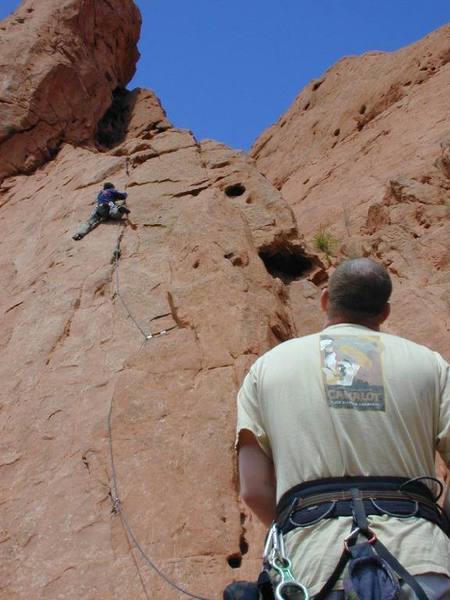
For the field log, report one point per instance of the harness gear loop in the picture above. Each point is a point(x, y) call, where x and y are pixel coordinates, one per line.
point(434, 480)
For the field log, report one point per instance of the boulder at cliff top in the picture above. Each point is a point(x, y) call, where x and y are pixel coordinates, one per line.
point(60, 62)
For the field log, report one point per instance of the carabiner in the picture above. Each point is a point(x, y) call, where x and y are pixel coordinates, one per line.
point(351, 535)
point(269, 544)
point(354, 534)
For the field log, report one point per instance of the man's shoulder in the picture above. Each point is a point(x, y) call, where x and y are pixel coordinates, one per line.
point(406, 343)
point(290, 347)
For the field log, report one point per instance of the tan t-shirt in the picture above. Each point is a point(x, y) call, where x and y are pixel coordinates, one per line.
point(351, 401)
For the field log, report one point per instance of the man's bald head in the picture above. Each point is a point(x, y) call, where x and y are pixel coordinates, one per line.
point(358, 289)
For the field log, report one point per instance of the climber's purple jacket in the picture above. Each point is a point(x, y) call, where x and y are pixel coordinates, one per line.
point(110, 195)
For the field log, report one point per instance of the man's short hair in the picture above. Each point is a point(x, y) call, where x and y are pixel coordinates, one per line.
point(108, 186)
point(359, 287)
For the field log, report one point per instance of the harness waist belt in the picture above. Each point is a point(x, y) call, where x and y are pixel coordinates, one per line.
point(309, 503)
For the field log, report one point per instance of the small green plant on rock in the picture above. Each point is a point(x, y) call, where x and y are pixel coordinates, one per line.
point(325, 242)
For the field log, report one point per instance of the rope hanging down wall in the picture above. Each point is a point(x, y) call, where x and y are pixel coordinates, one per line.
point(117, 508)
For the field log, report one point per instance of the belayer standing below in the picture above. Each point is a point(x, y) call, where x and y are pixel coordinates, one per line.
point(337, 433)
point(110, 205)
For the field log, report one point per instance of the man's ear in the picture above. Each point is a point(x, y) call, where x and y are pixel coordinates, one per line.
point(324, 300)
point(385, 312)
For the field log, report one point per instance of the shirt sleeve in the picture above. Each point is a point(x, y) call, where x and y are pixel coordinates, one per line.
point(443, 436)
point(249, 411)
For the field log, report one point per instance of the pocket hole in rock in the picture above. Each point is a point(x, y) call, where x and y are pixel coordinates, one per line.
point(235, 560)
point(288, 264)
point(235, 190)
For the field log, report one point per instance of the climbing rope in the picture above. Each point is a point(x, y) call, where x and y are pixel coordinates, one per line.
point(146, 335)
point(117, 507)
point(116, 257)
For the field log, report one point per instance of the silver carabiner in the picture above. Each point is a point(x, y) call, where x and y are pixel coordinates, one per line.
point(269, 545)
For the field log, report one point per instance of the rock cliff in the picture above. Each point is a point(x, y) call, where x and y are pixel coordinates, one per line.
point(219, 254)
point(362, 158)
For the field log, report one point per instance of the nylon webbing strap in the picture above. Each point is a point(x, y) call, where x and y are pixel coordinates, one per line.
point(409, 579)
point(360, 523)
point(359, 514)
point(334, 577)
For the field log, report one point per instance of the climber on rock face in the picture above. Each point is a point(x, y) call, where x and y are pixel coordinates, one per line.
point(110, 205)
point(337, 434)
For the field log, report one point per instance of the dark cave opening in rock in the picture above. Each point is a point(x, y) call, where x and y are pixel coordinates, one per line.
point(288, 264)
point(112, 127)
point(235, 190)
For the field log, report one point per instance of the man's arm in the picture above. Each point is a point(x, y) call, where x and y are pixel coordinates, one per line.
point(120, 195)
point(257, 478)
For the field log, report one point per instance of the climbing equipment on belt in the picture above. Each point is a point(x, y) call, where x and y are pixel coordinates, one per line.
point(277, 572)
point(368, 563)
point(310, 502)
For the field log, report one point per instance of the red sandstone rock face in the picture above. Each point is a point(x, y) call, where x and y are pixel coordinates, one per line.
point(190, 263)
point(214, 256)
point(363, 156)
point(60, 62)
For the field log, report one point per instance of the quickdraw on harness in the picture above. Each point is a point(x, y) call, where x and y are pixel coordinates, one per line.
point(358, 497)
point(277, 580)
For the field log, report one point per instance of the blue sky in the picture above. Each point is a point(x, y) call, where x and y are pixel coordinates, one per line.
point(227, 69)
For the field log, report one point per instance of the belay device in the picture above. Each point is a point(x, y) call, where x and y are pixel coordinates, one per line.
point(277, 574)
point(276, 581)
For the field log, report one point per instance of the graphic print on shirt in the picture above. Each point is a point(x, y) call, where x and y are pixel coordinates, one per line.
point(352, 371)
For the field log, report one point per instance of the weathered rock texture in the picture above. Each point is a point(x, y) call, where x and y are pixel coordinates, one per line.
point(214, 256)
point(59, 63)
point(362, 157)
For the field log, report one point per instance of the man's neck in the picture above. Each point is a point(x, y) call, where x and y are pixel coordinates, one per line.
point(338, 320)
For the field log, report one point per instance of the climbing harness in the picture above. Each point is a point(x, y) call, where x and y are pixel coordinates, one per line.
point(310, 502)
point(117, 506)
point(359, 497)
point(278, 568)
